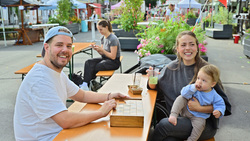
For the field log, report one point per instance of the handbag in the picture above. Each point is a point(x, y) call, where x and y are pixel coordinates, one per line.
point(77, 78)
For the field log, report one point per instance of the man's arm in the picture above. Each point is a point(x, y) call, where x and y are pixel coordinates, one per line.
point(89, 97)
point(67, 119)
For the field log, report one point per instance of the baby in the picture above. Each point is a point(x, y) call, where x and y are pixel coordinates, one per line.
point(203, 90)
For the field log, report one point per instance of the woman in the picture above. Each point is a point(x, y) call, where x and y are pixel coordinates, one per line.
point(171, 80)
point(109, 50)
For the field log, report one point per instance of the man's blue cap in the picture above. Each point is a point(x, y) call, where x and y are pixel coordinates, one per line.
point(53, 32)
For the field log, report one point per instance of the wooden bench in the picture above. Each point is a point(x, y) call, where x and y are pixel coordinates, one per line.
point(25, 70)
point(212, 139)
point(105, 75)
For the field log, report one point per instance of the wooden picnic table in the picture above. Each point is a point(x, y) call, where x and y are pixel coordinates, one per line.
point(100, 129)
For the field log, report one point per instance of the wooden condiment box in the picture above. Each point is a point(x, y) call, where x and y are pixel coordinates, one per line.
point(134, 89)
point(128, 114)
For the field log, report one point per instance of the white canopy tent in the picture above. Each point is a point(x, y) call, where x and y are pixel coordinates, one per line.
point(189, 4)
point(52, 5)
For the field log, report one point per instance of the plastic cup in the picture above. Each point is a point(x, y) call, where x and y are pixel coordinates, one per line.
point(136, 77)
point(153, 76)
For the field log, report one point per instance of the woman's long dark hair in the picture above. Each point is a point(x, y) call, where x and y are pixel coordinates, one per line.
point(105, 23)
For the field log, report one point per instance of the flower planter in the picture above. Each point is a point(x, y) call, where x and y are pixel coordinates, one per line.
point(123, 33)
point(246, 44)
point(74, 27)
point(191, 21)
point(128, 43)
point(115, 26)
point(220, 31)
point(127, 40)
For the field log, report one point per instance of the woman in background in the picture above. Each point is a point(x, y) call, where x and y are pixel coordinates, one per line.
point(109, 51)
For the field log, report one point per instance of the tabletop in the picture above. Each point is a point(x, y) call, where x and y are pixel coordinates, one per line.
point(100, 129)
point(81, 46)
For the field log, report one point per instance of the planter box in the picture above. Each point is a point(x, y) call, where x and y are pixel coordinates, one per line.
point(128, 43)
point(122, 33)
point(191, 21)
point(74, 27)
point(246, 44)
point(220, 31)
point(115, 26)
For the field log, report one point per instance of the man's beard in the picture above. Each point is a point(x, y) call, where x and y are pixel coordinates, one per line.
point(57, 65)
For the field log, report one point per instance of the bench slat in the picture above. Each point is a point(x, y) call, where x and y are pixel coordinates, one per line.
point(25, 70)
point(107, 73)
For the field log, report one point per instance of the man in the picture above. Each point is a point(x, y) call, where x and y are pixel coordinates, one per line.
point(94, 17)
point(172, 13)
point(40, 111)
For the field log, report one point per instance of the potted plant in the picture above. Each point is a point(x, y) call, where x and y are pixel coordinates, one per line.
point(161, 39)
point(66, 16)
point(115, 23)
point(223, 24)
point(206, 21)
point(191, 18)
point(131, 15)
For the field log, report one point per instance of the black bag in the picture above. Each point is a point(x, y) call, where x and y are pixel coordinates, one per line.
point(77, 78)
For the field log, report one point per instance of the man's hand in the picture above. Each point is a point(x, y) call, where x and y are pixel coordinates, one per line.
point(216, 113)
point(107, 107)
point(117, 95)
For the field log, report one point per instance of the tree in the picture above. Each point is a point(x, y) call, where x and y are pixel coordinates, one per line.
point(65, 10)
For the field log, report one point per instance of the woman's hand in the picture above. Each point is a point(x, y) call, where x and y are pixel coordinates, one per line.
point(107, 107)
point(193, 104)
point(98, 49)
point(152, 86)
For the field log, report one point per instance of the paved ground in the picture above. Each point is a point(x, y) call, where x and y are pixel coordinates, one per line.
point(234, 66)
